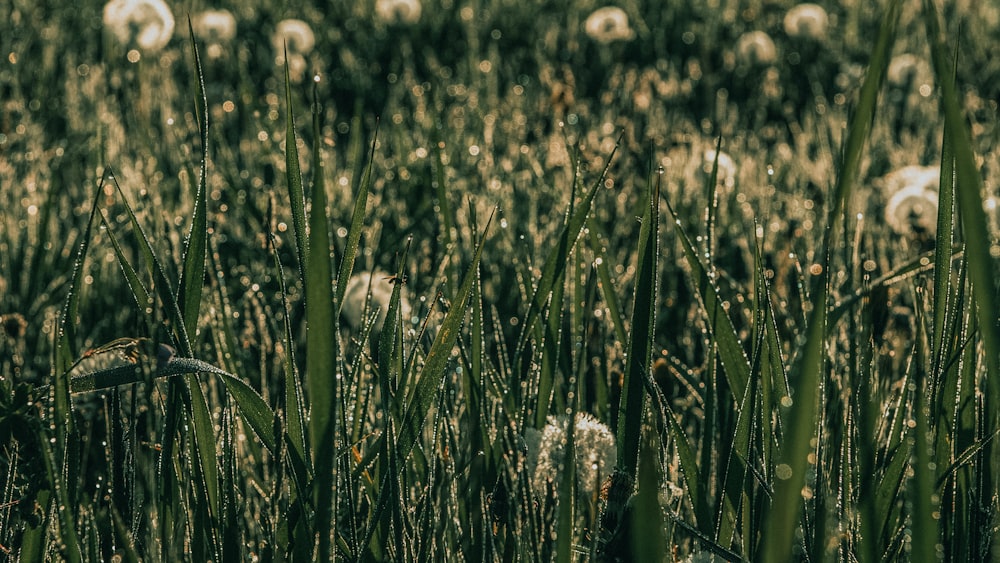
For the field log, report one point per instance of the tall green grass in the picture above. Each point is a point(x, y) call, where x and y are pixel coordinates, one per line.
point(785, 379)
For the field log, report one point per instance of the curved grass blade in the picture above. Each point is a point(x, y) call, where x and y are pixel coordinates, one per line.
point(250, 404)
point(161, 284)
point(293, 174)
point(965, 458)
point(253, 408)
point(139, 292)
point(357, 226)
point(606, 285)
point(196, 247)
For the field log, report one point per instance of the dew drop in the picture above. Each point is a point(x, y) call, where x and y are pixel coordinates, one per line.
point(783, 471)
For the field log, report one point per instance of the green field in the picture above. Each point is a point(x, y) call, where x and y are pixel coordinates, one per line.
point(303, 281)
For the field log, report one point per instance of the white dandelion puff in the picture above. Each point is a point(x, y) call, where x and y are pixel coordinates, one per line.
point(807, 21)
point(727, 166)
point(608, 24)
point(215, 26)
point(297, 37)
point(296, 34)
point(357, 295)
point(992, 208)
point(756, 48)
point(923, 177)
point(398, 11)
point(913, 211)
point(907, 69)
point(146, 23)
point(596, 453)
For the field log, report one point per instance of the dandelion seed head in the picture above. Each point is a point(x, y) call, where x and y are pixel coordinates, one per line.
point(907, 69)
point(356, 294)
point(913, 210)
point(146, 23)
point(595, 452)
point(806, 21)
point(14, 325)
point(398, 11)
point(924, 177)
point(608, 24)
point(727, 166)
point(296, 35)
point(215, 26)
point(756, 48)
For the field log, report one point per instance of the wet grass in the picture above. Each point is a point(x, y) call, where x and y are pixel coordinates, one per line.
point(688, 248)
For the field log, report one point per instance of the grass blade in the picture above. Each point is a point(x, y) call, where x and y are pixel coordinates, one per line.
point(437, 357)
point(441, 189)
point(63, 453)
point(555, 264)
point(322, 348)
point(426, 388)
point(982, 265)
point(567, 494)
point(357, 226)
point(942, 258)
point(294, 409)
point(926, 532)
point(783, 514)
point(689, 469)
point(193, 274)
point(189, 301)
point(640, 345)
point(606, 285)
point(648, 541)
point(293, 175)
point(139, 292)
point(734, 358)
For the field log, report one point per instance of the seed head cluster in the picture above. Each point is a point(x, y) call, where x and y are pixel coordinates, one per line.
point(148, 24)
point(608, 25)
point(596, 453)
